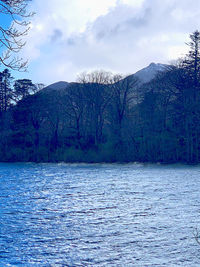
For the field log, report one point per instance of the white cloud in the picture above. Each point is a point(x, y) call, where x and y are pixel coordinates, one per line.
point(68, 36)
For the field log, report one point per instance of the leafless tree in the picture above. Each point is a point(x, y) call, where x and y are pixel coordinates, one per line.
point(97, 76)
point(98, 93)
point(125, 97)
point(11, 36)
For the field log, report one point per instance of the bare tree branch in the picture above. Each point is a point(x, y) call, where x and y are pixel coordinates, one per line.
point(11, 37)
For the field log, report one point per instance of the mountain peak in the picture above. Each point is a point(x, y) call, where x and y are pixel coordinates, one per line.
point(57, 86)
point(152, 64)
point(146, 74)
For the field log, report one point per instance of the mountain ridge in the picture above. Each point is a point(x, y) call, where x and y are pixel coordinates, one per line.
point(144, 75)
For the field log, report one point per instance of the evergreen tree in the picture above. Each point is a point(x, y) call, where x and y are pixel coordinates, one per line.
point(190, 97)
point(23, 88)
point(5, 90)
point(191, 64)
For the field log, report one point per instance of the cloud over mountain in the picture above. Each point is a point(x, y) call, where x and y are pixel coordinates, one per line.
point(68, 37)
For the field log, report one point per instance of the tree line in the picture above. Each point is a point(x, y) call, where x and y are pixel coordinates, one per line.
point(12, 91)
point(106, 118)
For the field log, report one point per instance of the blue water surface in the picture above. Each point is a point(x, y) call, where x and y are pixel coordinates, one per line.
point(99, 215)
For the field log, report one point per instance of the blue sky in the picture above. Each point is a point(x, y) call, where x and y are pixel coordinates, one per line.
point(123, 36)
point(5, 22)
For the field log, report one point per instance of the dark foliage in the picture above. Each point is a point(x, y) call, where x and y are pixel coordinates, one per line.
point(106, 118)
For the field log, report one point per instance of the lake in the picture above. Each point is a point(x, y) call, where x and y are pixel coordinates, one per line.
point(99, 215)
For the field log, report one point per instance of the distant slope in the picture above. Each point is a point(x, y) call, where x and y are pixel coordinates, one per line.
point(148, 73)
point(144, 75)
point(57, 86)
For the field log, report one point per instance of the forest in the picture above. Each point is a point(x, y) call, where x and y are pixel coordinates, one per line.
point(104, 117)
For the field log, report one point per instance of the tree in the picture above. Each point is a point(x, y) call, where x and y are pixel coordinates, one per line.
point(29, 116)
point(97, 94)
point(124, 98)
point(192, 61)
point(190, 97)
point(23, 88)
point(75, 109)
point(5, 90)
point(11, 37)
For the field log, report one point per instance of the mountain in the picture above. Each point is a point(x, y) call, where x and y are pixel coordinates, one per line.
point(144, 75)
point(148, 73)
point(57, 86)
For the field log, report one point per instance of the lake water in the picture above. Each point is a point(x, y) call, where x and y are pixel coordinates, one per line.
point(99, 215)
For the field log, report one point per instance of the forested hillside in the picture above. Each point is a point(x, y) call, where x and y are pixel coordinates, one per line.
point(105, 117)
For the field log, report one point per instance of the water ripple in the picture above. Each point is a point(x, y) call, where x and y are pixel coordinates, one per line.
point(99, 215)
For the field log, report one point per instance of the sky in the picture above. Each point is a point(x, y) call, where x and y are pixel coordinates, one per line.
point(68, 37)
